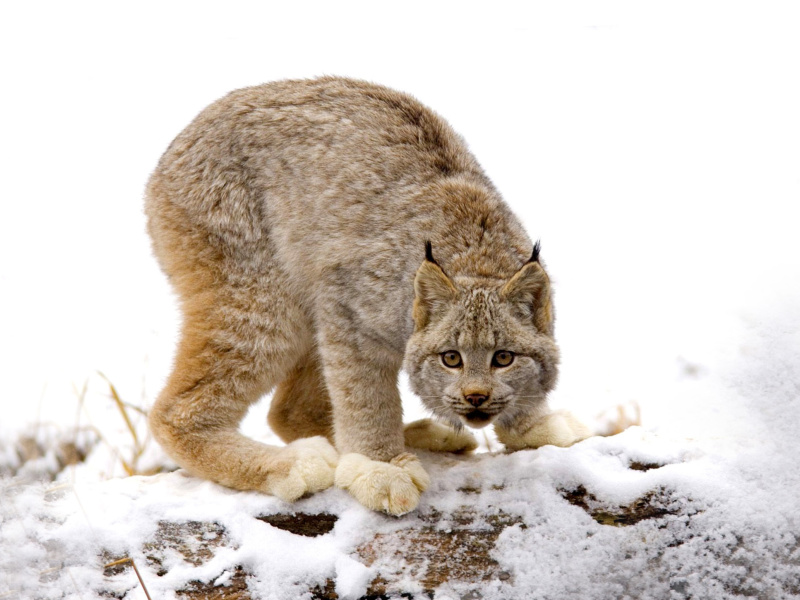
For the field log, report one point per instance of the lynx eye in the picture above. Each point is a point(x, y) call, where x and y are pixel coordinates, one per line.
point(502, 358)
point(451, 359)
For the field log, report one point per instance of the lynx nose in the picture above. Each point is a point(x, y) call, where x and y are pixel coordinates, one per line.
point(476, 400)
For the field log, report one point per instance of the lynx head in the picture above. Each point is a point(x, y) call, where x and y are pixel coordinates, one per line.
point(482, 352)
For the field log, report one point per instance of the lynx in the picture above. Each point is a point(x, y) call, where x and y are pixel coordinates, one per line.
point(321, 235)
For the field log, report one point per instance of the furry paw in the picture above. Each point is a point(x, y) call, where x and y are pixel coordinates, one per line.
point(393, 487)
point(306, 466)
point(426, 434)
point(559, 428)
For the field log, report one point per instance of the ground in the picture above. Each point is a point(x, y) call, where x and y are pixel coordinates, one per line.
point(644, 513)
point(634, 515)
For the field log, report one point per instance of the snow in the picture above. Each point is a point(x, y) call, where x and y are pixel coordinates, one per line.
point(653, 150)
point(730, 527)
point(352, 578)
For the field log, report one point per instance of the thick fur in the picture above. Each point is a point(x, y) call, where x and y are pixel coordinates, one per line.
point(291, 219)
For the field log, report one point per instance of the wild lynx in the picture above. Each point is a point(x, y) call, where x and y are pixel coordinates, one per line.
point(292, 219)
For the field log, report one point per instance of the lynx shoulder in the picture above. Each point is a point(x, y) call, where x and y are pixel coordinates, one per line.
point(321, 235)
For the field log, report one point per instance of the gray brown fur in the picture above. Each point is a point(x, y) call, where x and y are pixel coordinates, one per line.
point(291, 219)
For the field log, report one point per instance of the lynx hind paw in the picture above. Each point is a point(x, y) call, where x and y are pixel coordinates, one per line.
point(426, 434)
point(392, 487)
point(311, 467)
point(560, 428)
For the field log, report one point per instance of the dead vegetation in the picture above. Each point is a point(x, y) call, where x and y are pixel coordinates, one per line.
point(234, 588)
point(653, 505)
point(302, 524)
point(41, 452)
point(130, 457)
point(440, 549)
point(435, 549)
point(618, 418)
point(44, 450)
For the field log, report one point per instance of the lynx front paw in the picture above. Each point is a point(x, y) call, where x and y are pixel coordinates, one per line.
point(306, 466)
point(393, 487)
point(560, 428)
point(430, 435)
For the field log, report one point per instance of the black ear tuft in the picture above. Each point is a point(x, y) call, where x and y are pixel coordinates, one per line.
point(429, 255)
point(536, 247)
point(429, 252)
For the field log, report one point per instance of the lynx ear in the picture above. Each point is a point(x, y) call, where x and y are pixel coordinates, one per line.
point(529, 289)
point(433, 289)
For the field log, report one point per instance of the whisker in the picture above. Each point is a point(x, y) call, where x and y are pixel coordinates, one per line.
point(450, 397)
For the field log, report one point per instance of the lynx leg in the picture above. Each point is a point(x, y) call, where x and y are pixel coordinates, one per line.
point(368, 420)
point(235, 346)
point(426, 434)
point(301, 406)
point(560, 428)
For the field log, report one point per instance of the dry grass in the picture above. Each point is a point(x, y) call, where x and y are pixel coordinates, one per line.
point(124, 561)
point(130, 463)
point(619, 418)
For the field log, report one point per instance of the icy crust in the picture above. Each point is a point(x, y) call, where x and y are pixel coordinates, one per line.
point(44, 451)
point(530, 519)
point(636, 515)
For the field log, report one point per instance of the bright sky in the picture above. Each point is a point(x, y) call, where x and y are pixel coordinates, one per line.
point(655, 151)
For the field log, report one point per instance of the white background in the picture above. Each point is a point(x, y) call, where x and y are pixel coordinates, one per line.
point(654, 148)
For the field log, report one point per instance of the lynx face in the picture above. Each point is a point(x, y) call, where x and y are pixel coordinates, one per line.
point(481, 354)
